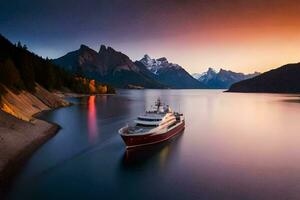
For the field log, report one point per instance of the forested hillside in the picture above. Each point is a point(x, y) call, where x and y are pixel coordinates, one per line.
point(21, 70)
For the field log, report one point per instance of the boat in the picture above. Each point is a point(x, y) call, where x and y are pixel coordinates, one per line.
point(157, 125)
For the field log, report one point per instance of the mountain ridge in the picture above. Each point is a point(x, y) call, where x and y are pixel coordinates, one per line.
point(170, 74)
point(222, 79)
point(108, 66)
point(116, 68)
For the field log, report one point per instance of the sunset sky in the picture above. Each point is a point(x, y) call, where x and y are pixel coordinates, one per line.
point(239, 35)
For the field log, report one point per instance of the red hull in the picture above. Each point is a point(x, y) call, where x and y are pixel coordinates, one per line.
point(142, 140)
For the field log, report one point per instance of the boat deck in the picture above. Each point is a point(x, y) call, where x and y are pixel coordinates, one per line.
point(154, 114)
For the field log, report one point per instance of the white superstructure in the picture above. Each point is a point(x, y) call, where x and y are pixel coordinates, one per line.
point(158, 119)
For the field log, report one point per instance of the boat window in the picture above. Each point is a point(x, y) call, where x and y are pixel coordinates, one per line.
point(150, 120)
point(147, 125)
point(171, 125)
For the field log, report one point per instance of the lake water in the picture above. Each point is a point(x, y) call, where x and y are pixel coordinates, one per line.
point(235, 146)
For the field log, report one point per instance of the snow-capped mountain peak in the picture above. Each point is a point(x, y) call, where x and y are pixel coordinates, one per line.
point(155, 65)
point(205, 76)
point(147, 59)
point(170, 74)
point(197, 75)
point(210, 74)
point(221, 79)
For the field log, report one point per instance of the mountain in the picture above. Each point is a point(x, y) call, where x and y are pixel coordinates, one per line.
point(169, 74)
point(108, 66)
point(285, 79)
point(205, 77)
point(222, 79)
point(23, 70)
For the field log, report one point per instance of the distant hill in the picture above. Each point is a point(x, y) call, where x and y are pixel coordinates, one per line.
point(285, 79)
point(170, 74)
point(109, 66)
point(222, 79)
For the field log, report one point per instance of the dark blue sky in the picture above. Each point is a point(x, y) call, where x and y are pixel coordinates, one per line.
point(52, 27)
point(194, 33)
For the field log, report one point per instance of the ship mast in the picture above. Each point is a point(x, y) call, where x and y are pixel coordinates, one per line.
point(158, 104)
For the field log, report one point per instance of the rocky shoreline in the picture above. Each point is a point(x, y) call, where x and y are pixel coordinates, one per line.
point(18, 140)
point(20, 132)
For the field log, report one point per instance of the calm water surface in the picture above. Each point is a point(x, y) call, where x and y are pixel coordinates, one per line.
point(235, 146)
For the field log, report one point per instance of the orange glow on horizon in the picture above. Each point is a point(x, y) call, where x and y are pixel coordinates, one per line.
point(241, 36)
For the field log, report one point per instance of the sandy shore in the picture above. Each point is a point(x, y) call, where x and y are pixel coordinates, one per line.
point(20, 133)
point(18, 140)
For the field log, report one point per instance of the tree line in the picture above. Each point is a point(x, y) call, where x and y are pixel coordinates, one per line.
point(21, 70)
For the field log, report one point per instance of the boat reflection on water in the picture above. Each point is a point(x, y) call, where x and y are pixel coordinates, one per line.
point(160, 153)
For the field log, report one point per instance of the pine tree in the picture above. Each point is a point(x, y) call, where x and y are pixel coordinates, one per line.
point(9, 75)
point(19, 45)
